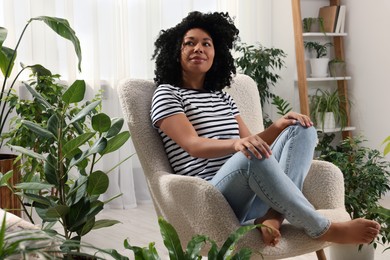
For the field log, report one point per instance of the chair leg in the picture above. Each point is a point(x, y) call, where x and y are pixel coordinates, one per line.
point(321, 254)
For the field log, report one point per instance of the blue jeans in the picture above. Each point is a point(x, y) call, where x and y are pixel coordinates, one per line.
point(253, 186)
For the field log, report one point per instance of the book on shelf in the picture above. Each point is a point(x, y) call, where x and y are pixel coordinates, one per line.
point(329, 16)
point(340, 19)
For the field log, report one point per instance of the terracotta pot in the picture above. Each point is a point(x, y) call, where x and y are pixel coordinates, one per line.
point(9, 201)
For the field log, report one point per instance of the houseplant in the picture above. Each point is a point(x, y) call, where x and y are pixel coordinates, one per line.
point(313, 24)
point(66, 137)
point(319, 61)
point(366, 180)
point(337, 68)
point(194, 247)
point(260, 63)
point(326, 109)
point(7, 96)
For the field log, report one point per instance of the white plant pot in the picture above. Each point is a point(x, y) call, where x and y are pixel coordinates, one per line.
point(319, 67)
point(350, 252)
point(328, 123)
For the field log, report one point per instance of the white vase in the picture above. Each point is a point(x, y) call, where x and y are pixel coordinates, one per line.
point(351, 252)
point(319, 67)
point(329, 121)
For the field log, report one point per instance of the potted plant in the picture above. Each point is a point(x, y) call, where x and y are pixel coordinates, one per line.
point(260, 63)
point(337, 68)
point(318, 63)
point(366, 180)
point(7, 96)
point(64, 137)
point(313, 24)
point(326, 109)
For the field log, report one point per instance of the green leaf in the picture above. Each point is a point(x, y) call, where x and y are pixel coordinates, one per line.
point(43, 201)
point(243, 254)
point(50, 170)
point(102, 223)
point(230, 242)
point(27, 152)
point(38, 96)
point(75, 93)
point(3, 35)
point(33, 186)
point(62, 28)
point(97, 183)
point(5, 178)
point(171, 240)
point(75, 143)
point(39, 70)
point(195, 245)
point(57, 211)
point(86, 227)
point(42, 132)
point(116, 142)
point(53, 124)
point(101, 122)
point(85, 111)
point(116, 126)
point(6, 55)
point(77, 190)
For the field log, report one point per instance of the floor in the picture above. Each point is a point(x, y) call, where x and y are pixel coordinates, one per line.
point(139, 226)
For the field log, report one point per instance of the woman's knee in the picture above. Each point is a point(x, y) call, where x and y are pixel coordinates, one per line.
point(309, 134)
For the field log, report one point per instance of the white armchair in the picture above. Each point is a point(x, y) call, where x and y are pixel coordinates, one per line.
point(194, 206)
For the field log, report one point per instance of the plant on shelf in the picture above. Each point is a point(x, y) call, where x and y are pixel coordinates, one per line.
point(327, 110)
point(319, 61)
point(366, 180)
point(313, 24)
point(337, 68)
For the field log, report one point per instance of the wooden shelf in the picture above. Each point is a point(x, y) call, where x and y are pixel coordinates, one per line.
point(329, 79)
point(302, 76)
point(320, 34)
point(338, 129)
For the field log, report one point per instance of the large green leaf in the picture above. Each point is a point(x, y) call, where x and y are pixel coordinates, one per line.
point(98, 146)
point(75, 93)
point(102, 223)
point(3, 35)
point(33, 186)
point(39, 130)
point(53, 124)
point(86, 227)
point(85, 111)
point(97, 183)
point(39, 70)
point(75, 143)
point(7, 58)
point(77, 190)
point(27, 152)
point(50, 169)
point(38, 96)
point(57, 211)
point(62, 28)
point(101, 122)
point(78, 214)
point(171, 240)
point(41, 200)
point(116, 142)
point(116, 127)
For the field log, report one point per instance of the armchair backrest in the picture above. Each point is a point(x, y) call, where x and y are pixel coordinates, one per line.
point(136, 95)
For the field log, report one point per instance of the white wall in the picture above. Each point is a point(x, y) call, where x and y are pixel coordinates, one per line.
point(367, 56)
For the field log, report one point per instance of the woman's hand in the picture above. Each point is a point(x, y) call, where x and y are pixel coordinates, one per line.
point(291, 118)
point(253, 145)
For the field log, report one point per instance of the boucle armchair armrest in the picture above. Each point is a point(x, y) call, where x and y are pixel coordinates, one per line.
point(189, 202)
point(324, 186)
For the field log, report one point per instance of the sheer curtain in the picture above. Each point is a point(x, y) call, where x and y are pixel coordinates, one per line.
point(116, 39)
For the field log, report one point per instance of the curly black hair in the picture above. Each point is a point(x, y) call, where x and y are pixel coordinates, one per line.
point(168, 46)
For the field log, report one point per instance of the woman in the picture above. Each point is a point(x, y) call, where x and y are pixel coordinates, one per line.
point(261, 175)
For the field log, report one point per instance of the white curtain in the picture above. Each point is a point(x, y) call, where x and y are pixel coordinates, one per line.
point(117, 39)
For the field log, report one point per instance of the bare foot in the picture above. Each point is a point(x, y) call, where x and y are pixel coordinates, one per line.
point(356, 231)
point(270, 232)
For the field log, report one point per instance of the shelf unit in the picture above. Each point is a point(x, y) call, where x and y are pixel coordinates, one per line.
point(302, 79)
